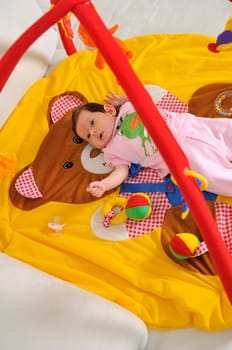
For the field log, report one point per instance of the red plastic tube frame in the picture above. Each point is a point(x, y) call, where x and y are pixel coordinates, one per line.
point(169, 149)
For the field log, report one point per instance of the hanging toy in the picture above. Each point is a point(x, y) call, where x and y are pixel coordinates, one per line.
point(119, 209)
point(90, 44)
point(224, 39)
point(65, 31)
point(183, 245)
point(201, 182)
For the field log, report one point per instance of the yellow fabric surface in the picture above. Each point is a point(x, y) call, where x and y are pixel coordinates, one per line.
point(134, 273)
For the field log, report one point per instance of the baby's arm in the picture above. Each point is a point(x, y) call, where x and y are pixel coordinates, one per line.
point(116, 177)
point(155, 91)
point(115, 100)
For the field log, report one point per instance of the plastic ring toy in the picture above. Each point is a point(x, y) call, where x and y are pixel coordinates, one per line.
point(218, 104)
point(111, 204)
point(201, 180)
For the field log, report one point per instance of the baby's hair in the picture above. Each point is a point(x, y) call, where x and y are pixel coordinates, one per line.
point(91, 107)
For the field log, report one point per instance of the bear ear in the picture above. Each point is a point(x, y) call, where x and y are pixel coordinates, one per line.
point(61, 104)
point(26, 185)
point(26, 196)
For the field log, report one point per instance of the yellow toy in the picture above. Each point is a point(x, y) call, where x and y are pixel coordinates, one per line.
point(201, 182)
point(118, 209)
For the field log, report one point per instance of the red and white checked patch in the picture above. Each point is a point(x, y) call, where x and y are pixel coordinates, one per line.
point(201, 249)
point(224, 221)
point(172, 103)
point(160, 204)
point(26, 185)
point(63, 105)
point(223, 213)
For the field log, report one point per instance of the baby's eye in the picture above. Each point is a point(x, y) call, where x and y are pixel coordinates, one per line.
point(92, 122)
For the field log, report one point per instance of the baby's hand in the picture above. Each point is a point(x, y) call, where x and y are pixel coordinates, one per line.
point(115, 100)
point(96, 188)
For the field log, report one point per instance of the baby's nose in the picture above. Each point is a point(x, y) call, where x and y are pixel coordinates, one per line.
point(93, 132)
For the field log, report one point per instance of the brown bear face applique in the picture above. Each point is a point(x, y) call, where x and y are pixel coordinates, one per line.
point(64, 164)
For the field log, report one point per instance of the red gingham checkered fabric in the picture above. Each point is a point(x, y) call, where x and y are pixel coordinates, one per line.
point(172, 103)
point(26, 185)
point(223, 212)
point(63, 105)
point(201, 249)
point(159, 200)
point(224, 222)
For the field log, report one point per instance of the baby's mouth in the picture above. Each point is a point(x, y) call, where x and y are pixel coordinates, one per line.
point(101, 135)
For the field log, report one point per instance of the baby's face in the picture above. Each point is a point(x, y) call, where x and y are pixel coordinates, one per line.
point(96, 127)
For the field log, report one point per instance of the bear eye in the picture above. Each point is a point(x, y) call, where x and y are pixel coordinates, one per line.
point(77, 139)
point(68, 165)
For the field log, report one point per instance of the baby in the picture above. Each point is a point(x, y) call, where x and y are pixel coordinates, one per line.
point(117, 130)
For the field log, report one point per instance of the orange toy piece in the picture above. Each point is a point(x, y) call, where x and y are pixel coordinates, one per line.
point(90, 44)
point(7, 165)
point(67, 38)
point(65, 30)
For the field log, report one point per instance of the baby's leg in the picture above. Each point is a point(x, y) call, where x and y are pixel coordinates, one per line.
point(217, 132)
point(222, 130)
point(209, 150)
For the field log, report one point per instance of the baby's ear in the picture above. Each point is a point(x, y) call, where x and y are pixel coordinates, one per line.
point(110, 109)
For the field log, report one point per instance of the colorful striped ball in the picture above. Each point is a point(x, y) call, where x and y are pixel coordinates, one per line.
point(183, 245)
point(138, 206)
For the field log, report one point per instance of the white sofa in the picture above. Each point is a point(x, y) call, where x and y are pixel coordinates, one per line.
point(39, 311)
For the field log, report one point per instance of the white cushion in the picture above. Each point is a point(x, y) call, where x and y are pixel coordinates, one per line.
point(15, 17)
point(39, 311)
